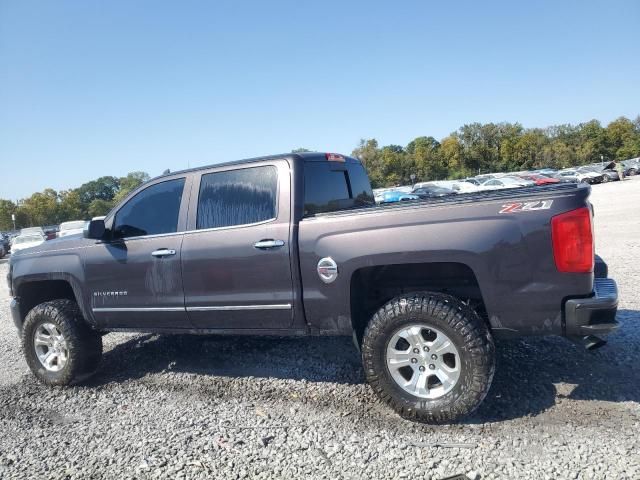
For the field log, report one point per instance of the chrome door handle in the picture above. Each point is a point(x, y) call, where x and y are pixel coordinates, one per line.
point(266, 244)
point(163, 252)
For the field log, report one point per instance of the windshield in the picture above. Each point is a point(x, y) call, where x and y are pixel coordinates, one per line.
point(72, 225)
point(432, 189)
point(28, 239)
point(510, 181)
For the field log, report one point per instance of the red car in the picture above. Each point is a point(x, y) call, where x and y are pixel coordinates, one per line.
point(539, 179)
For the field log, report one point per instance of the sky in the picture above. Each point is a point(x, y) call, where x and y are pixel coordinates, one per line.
point(92, 88)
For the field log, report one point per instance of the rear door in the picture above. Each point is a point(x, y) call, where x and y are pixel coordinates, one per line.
point(134, 278)
point(235, 257)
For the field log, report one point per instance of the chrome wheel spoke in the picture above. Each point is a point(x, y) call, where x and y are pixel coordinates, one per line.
point(50, 347)
point(412, 335)
point(417, 365)
point(399, 358)
point(442, 345)
point(41, 339)
point(48, 359)
point(446, 381)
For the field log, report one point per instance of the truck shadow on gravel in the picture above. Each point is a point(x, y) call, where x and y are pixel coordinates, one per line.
point(532, 375)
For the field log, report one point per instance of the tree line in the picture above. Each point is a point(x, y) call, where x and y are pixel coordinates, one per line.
point(50, 207)
point(498, 147)
point(472, 149)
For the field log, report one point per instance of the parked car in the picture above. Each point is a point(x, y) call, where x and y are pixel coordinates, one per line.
point(561, 178)
point(506, 182)
point(458, 186)
point(72, 228)
point(282, 245)
point(574, 176)
point(631, 167)
point(593, 177)
point(610, 176)
point(539, 179)
point(5, 242)
point(429, 190)
point(51, 231)
point(27, 240)
point(396, 196)
point(27, 230)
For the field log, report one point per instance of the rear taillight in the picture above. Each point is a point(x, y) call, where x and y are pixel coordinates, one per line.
point(572, 238)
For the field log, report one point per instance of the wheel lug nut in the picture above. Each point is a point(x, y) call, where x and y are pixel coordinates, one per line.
point(421, 368)
point(414, 360)
point(426, 349)
point(434, 356)
point(415, 350)
point(432, 366)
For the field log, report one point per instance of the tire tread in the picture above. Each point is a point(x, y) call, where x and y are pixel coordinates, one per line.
point(441, 308)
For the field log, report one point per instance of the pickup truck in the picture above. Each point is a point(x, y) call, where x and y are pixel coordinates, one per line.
point(294, 245)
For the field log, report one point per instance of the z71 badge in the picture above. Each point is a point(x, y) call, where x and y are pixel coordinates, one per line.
point(526, 206)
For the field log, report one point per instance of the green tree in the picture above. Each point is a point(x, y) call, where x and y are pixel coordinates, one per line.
point(70, 206)
point(103, 188)
point(370, 156)
point(128, 184)
point(623, 140)
point(426, 158)
point(41, 208)
point(99, 207)
point(7, 208)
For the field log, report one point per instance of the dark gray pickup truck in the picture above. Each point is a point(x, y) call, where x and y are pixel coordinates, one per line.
point(294, 245)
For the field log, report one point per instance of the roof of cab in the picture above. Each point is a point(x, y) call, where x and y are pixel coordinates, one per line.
point(298, 156)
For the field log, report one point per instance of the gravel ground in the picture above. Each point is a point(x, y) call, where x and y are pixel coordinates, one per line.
point(212, 407)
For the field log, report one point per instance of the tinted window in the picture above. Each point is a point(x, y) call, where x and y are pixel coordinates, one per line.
point(152, 211)
point(329, 187)
point(237, 197)
point(360, 185)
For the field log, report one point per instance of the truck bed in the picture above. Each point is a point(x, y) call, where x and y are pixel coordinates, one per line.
point(524, 193)
point(508, 252)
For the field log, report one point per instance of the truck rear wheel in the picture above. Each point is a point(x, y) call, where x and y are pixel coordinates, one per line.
point(429, 356)
point(59, 347)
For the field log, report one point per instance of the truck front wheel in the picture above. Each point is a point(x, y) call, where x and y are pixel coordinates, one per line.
point(429, 356)
point(58, 345)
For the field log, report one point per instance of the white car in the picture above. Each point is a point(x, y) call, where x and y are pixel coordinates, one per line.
point(27, 240)
point(505, 182)
point(71, 228)
point(31, 230)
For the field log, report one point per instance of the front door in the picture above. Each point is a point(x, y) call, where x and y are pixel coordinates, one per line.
point(134, 277)
point(235, 256)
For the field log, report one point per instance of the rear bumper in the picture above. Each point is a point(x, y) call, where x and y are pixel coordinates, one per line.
point(14, 306)
point(595, 315)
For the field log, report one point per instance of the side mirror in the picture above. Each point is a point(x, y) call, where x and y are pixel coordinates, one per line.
point(96, 229)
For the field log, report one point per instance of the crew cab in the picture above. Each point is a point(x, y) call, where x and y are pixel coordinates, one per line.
point(294, 245)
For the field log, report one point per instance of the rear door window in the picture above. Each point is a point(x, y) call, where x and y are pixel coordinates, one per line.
point(237, 197)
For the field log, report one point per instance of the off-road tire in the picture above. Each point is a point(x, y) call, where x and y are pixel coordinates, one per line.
point(84, 345)
point(468, 332)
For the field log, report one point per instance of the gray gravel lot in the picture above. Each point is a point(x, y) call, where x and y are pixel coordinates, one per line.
point(216, 407)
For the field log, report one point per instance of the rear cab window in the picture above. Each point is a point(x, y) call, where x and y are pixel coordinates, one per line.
point(331, 186)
